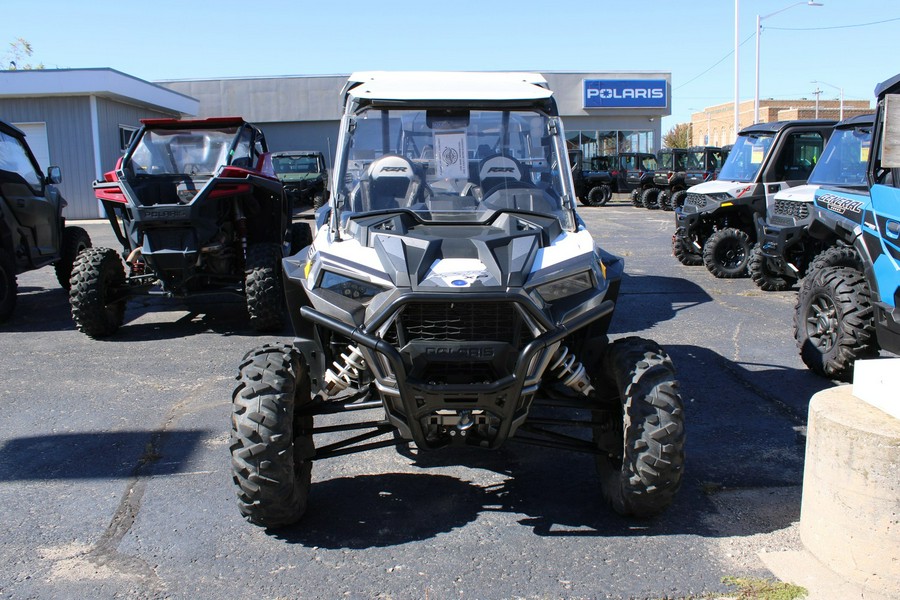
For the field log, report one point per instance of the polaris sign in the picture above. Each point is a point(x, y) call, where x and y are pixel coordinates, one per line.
point(625, 93)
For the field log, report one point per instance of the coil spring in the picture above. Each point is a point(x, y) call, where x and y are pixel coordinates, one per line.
point(347, 373)
point(571, 372)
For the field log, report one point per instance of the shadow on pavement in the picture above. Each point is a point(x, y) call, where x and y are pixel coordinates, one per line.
point(745, 446)
point(650, 299)
point(98, 455)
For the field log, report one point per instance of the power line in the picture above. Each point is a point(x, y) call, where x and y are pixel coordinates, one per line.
point(834, 26)
point(715, 64)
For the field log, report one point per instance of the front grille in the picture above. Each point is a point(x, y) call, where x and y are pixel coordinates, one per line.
point(781, 221)
point(798, 210)
point(698, 200)
point(461, 322)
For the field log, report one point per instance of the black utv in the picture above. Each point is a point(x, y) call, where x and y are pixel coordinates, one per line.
point(671, 165)
point(198, 210)
point(595, 186)
point(703, 164)
point(33, 231)
point(639, 173)
point(716, 226)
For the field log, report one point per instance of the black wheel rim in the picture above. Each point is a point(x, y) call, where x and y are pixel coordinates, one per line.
point(822, 323)
point(731, 254)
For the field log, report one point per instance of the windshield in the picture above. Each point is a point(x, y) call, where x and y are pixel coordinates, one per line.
point(603, 163)
point(696, 161)
point(665, 161)
point(182, 151)
point(844, 159)
point(295, 164)
point(454, 165)
point(746, 157)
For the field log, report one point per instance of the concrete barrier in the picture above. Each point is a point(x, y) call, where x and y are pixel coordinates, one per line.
point(850, 511)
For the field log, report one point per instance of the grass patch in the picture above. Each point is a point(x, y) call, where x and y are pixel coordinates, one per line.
point(764, 589)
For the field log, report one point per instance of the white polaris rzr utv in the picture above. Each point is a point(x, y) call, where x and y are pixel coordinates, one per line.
point(453, 292)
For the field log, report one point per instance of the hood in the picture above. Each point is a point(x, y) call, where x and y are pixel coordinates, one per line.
point(800, 193)
point(720, 186)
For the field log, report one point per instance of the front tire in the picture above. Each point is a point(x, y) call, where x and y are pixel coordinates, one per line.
point(644, 434)
point(636, 198)
point(8, 286)
point(678, 199)
point(97, 284)
point(649, 198)
point(74, 240)
point(271, 438)
point(834, 322)
point(684, 253)
point(764, 273)
point(263, 286)
point(599, 195)
point(663, 200)
point(727, 252)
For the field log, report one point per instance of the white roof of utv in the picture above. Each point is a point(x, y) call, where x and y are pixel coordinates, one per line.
point(446, 85)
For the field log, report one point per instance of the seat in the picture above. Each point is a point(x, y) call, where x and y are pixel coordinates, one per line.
point(497, 170)
point(391, 182)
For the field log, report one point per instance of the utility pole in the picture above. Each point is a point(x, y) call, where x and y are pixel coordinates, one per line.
point(817, 92)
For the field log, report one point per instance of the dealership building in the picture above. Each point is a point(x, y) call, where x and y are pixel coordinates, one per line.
point(81, 119)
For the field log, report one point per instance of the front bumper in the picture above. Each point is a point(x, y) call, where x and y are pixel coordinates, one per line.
point(483, 414)
point(776, 240)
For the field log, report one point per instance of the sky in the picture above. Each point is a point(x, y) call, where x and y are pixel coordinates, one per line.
point(849, 44)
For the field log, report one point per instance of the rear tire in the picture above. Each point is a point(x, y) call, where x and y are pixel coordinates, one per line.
point(834, 322)
point(8, 286)
point(684, 253)
point(649, 198)
point(644, 434)
point(678, 199)
point(98, 281)
point(599, 195)
point(74, 240)
point(727, 252)
point(271, 442)
point(764, 274)
point(263, 286)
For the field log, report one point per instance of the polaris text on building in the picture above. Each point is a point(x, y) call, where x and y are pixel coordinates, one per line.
point(625, 93)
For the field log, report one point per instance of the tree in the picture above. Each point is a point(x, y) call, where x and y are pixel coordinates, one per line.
point(678, 137)
point(15, 56)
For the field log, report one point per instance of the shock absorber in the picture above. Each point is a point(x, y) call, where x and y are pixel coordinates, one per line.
point(571, 372)
point(345, 374)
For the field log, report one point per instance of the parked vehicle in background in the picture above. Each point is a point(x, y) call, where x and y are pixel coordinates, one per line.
point(454, 295)
point(716, 226)
point(785, 249)
point(848, 306)
point(639, 177)
point(197, 209)
point(304, 176)
point(671, 165)
point(703, 164)
point(33, 231)
point(596, 185)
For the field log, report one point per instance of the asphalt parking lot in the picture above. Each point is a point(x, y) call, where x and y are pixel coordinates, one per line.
point(115, 482)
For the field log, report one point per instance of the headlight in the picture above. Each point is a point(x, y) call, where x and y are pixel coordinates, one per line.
point(354, 289)
point(563, 288)
point(721, 196)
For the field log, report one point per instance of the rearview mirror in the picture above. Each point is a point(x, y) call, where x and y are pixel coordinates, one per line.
point(54, 175)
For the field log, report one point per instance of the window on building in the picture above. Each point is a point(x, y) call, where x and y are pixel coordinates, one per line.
point(126, 133)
